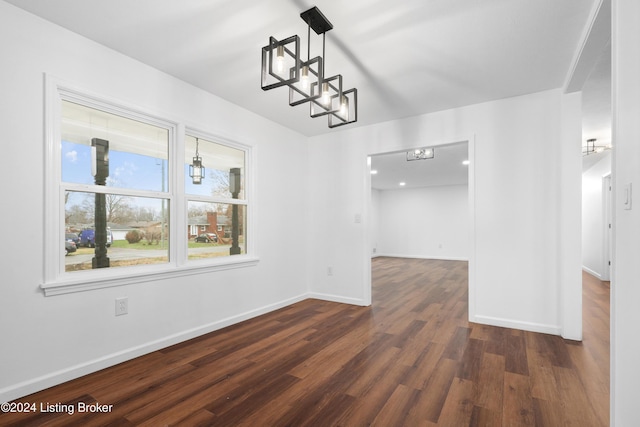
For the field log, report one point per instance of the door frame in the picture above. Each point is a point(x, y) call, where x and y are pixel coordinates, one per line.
point(368, 208)
point(607, 230)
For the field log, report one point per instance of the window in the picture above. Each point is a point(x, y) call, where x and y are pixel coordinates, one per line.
point(131, 189)
point(120, 196)
point(215, 198)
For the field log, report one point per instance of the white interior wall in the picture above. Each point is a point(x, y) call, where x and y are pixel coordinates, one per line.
point(520, 215)
point(428, 222)
point(593, 227)
point(46, 340)
point(625, 292)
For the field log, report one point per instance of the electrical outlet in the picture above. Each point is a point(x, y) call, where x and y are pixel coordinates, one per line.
point(122, 306)
point(329, 271)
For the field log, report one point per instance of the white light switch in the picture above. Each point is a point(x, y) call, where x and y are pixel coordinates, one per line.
point(626, 197)
point(358, 218)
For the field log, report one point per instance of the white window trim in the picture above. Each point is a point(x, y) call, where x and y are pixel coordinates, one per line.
point(56, 281)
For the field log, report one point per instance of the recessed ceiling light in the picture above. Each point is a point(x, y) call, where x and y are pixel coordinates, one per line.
point(373, 171)
point(465, 162)
point(402, 184)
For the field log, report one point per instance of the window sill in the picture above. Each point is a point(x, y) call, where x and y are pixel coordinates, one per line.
point(102, 279)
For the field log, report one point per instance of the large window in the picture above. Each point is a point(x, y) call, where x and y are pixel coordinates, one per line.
point(127, 197)
point(130, 196)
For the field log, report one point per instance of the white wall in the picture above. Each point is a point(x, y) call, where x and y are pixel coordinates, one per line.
point(525, 187)
point(428, 222)
point(593, 219)
point(625, 288)
point(46, 340)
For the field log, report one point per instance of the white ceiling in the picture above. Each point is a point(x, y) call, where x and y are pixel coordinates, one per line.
point(405, 57)
point(445, 168)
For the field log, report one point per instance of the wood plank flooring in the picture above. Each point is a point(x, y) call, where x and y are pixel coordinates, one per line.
point(411, 359)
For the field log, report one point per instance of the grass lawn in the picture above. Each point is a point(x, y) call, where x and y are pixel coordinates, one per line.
point(143, 245)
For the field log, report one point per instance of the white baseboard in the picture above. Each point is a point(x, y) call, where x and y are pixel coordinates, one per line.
point(441, 258)
point(516, 324)
point(591, 272)
point(40, 383)
point(338, 298)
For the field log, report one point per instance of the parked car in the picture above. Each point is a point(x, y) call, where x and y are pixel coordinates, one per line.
point(207, 238)
point(69, 247)
point(73, 237)
point(88, 238)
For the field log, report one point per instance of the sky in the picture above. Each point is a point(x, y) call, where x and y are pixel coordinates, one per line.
point(128, 170)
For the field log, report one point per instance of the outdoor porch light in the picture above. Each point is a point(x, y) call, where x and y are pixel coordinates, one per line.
point(196, 168)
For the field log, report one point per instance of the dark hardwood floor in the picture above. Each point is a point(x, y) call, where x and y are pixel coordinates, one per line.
point(412, 359)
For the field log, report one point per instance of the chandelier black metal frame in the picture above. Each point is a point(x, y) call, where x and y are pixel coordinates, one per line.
point(307, 81)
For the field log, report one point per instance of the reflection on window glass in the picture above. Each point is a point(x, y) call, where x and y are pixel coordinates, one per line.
point(137, 230)
point(213, 232)
point(137, 151)
point(220, 164)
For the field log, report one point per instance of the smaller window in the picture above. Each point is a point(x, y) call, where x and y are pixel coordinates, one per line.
point(216, 198)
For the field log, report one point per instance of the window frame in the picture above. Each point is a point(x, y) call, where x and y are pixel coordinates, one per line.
point(55, 279)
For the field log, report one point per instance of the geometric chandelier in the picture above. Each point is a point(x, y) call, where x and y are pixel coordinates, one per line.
point(306, 80)
point(591, 147)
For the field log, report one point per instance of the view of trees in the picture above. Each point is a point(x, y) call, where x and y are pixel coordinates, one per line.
point(80, 207)
point(120, 209)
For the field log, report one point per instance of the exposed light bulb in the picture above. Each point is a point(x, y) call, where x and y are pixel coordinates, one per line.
point(304, 77)
point(344, 107)
point(326, 97)
point(280, 59)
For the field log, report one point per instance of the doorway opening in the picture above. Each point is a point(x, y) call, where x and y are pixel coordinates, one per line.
point(423, 208)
